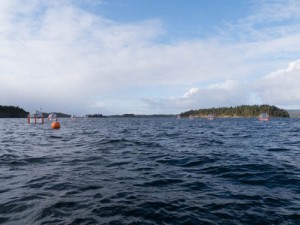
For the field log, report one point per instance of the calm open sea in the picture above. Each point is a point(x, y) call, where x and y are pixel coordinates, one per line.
point(150, 171)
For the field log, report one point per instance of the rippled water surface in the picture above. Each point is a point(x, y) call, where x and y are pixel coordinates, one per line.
point(150, 171)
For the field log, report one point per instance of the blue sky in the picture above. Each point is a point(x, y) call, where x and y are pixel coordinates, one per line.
point(148, 56)
point(181, 19)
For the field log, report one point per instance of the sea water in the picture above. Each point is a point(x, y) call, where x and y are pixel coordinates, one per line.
point(150, 171)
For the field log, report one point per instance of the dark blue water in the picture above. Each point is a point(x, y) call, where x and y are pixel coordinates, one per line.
point(150, 171)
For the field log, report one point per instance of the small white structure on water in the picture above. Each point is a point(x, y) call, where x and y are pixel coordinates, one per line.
point(210, 116)
point(52, 116)
point(36, 117)
point(264, 117)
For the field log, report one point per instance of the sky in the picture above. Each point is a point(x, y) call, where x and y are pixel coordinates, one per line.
point(148, 56)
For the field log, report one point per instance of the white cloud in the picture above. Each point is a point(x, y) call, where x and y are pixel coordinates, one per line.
point(275, 11)
point(278, 88)
point(281, 87)
point(227, 93)
point(191, 92)
point(65, 57)
point(58, 56)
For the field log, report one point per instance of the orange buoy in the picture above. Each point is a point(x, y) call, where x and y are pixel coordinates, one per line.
point(55, 125)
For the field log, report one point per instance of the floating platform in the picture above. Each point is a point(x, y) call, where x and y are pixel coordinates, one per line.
point(36, 117)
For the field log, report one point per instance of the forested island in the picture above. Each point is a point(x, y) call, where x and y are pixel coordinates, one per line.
point(238, 111)
point(17, 112)
point(12, 112)
point(58, 114)
point(230, 112)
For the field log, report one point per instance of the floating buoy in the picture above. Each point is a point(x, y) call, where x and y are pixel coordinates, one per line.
point(55, 125)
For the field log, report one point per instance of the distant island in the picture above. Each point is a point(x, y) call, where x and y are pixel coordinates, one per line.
point(229, 112)
point(94, 116)
point(247, 111)
point(12, 112)
point(17, 112)
point(127, 115)
point(58, 114)
point(294, 113)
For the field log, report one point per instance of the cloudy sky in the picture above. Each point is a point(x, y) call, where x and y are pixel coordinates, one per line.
point(148, 56)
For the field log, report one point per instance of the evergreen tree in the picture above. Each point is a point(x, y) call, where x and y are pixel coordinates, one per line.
point(12, 112)
point(238, 111)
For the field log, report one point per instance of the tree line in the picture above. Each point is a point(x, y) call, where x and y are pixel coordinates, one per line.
point(12, 112)
point(238, 111)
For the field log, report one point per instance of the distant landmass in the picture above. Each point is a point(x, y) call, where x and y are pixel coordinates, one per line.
point(141, 116)
point(94, 116)
point(294, 113)
point(58, 114)
point(12, 112)
point(239, 111)
point(17, 112)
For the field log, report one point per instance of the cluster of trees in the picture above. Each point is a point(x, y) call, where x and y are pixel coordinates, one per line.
point(94, 115)
point(58, 114)
point(239, 111)
point(12, 112)
point(17, 112)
